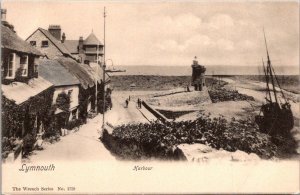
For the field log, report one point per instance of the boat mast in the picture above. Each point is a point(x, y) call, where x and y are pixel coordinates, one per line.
point(104, 66)
point(269, 69)
point(267, 81)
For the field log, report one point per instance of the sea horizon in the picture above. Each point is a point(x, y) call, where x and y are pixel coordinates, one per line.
point(162, 70)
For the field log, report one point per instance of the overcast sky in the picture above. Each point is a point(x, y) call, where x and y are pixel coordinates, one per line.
point(156, 33)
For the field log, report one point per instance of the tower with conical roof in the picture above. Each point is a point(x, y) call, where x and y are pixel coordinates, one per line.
point(93, 48)
point(198, 75)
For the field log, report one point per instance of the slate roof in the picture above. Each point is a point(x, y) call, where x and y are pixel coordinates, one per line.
point(92, 40)
point(57, 74)
point(12, 41)
point(71, 45)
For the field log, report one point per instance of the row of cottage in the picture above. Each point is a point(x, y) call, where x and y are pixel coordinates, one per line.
point(48, 82)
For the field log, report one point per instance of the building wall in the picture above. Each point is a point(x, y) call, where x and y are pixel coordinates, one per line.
point(74, 94)
point(51, 51)
point(32, 60)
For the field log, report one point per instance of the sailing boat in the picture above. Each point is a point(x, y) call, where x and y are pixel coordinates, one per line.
point(277, 117)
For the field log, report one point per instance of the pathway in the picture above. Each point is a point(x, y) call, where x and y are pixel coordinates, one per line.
point(84, 145)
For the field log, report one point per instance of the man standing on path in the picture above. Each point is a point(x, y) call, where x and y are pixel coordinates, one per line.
point(139, 102)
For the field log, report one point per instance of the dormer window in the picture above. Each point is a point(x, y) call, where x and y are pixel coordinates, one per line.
point(11, 66)
point(45, 44)
point(24, 65)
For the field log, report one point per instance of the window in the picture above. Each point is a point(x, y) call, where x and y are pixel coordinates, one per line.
point(11, 66)
point(45, 44)
point(74, 114)
point(36, 62)
point(33, 43)
point(2, 70)
point(24, 65)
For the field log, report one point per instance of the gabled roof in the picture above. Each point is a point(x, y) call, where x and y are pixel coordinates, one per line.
point(53, 71)
point(92, 40)
point(78, 71)
point(11, 40)
point(55, 42)
point(71, 45)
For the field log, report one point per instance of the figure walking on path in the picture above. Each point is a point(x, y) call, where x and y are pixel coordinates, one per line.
point(126, 103)
point(139, 103)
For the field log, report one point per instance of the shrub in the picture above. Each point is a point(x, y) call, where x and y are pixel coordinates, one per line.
point(215, 132)
point(28, 143)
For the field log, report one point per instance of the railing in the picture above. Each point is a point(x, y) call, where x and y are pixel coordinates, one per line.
point(155, 112)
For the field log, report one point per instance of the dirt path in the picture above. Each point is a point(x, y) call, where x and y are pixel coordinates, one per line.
point(84, 145)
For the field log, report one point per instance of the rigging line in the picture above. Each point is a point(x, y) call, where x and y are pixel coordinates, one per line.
point(279, 86)
point(269, 66)
point(267, 81)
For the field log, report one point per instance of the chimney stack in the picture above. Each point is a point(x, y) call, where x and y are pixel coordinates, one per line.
point(63, 38)
point(3, 14)
point(80, 45)
point(4, 22)
point(55, 31)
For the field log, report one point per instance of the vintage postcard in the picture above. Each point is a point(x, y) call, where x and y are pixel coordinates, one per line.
point(151, 97)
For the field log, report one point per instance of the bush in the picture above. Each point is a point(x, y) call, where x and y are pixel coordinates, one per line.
point(74, 123)
point(220, 94)
point(28, 143)
point(216, 132)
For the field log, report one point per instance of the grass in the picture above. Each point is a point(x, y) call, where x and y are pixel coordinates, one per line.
point(152, 82)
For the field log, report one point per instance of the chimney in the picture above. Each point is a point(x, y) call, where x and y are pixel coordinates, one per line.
point(3, 14)
point(55, 31)
point(4, 22)
point(63, 38)
point(80, 45)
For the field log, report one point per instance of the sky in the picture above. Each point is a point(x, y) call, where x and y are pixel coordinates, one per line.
point(172, 33)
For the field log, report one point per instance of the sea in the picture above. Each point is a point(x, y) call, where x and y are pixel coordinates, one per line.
point(210, 70)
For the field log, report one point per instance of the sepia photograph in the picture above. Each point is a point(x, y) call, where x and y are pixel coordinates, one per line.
point(155, 97)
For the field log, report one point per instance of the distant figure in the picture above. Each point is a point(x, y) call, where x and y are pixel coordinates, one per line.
point(126, 103)
point(139, 102)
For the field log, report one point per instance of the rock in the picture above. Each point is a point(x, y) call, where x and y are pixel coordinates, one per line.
point(243, 156)
point(203, 153)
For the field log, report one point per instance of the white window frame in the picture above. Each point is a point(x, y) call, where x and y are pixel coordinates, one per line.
point(25, 66)
point(13, 66)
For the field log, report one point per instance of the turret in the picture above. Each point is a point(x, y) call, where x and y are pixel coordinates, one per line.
point(198, 75)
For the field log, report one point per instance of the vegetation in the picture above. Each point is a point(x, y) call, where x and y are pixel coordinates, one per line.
point(216, 132)
point(220, 94)
point(151, 82)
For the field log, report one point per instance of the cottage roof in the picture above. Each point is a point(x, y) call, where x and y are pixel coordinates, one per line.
point(71, 45)
point(53, 71)
point(98, 71)
point(21, 92)
point(11, 40)
point(92, 40)
point(78, 71)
